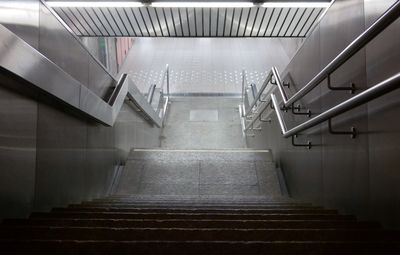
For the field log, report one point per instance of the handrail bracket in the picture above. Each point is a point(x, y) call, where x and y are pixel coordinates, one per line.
point(308, 144)
point(351, 88)
point(352, 132)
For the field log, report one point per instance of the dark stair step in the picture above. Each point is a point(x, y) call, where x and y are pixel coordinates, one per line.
point(179, 234)
point(115, 215)
point(189, 206)
point(190, 202)
point(178, 223)
point(205, 211)
point(197, 247)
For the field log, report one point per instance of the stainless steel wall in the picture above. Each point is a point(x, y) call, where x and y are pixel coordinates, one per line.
point(358, 176)
point(48, 155)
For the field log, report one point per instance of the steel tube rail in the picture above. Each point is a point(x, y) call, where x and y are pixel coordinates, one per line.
point(377, 90)
point(279, 83)
point(256, 117)
point(167, 71)
point(378, 26)
point(150, 94)
point(257, 97)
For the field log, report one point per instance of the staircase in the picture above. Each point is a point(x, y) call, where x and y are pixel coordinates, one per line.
point(196, 202)
point(141, 224)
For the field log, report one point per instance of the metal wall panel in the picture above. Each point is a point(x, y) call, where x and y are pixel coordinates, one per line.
point(49, 156)
point(18, 116)
point(53, 37)
point(357, 176)
point(382, 56)
point(346, 181)
point(61, 158)
point(22, 18)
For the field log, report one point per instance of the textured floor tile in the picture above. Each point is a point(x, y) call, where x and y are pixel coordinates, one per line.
point(215, 189)
point(223, 172)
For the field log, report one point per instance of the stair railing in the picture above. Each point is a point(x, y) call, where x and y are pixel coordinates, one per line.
point(269, 99)
point(166, 94)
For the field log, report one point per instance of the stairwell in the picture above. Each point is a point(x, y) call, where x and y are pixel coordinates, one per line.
point(224, 199)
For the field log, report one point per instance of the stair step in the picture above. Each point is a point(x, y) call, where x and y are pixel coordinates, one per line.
point(185, 234)
point(115, 215)
point(204, 211)
point(192, 207)
point(203, 202)
point(179, 223)
point(197, 247)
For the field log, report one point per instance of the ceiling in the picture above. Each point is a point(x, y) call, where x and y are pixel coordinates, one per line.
point(189, 22)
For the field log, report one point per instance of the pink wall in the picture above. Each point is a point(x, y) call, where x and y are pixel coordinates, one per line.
point(123, 46)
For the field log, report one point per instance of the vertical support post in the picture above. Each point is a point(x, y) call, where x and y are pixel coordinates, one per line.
point(243, 91)
point(167, 70)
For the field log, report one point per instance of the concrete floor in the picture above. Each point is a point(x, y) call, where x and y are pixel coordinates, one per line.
point(202, 154)
point(203, 123)
point(200, 173)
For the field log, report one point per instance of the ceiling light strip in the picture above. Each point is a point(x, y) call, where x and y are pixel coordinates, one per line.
point(130, 4)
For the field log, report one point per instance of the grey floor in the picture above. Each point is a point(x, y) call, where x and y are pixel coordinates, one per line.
point(203, 123)
point(200, 172)
point(202, 154)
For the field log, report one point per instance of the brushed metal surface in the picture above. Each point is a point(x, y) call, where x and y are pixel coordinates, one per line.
point(49, 156)
point(18, 115)
point(61, 158)
point(357, 176)
point(22, 18)
point(351, 171)
point(44, 75)
point(35, 68)
point(53, 37)
point(191, 22)
point(382, 56)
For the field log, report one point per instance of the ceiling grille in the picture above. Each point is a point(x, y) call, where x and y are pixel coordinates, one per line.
point(189, 22)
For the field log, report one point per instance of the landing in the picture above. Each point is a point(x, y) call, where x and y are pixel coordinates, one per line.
point(200, 173)
point(203, 123)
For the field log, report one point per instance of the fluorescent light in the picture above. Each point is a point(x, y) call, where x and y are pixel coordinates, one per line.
point(188, 4)
point(203, 4)
point(93, 4)
point(296, 4)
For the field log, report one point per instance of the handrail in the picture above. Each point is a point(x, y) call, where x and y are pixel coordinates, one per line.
point(375, 91)
point(150, 94)
point(378, 26)
point(166, 102)
point(165, 77)
point(258, 115)
point(258, 96)
point(41, 74)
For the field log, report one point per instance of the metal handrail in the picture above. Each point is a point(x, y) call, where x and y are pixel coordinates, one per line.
point(165, 106)
point(377, 90)
point(378, 26)
point(150, 94)
point(258, 96)
point(165, 77)
point(41, 75)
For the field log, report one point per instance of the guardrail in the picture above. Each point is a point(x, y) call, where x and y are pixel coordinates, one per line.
point(255, 111)
point(19, 59)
